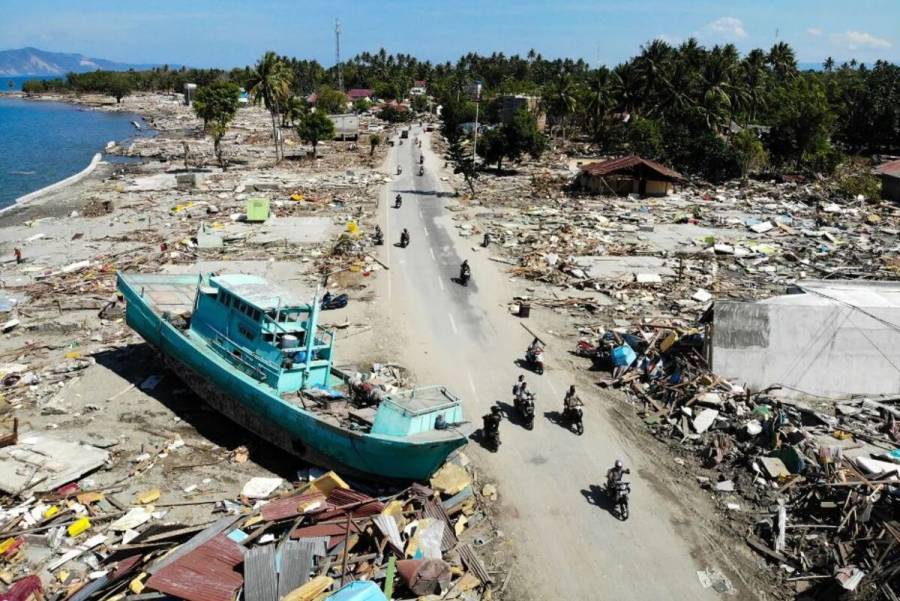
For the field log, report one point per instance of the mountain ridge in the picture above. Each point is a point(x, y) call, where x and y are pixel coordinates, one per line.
point(20, 62)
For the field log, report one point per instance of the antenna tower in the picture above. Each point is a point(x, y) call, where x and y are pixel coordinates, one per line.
point(337, 53)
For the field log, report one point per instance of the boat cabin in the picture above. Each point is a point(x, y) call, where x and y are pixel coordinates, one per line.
point(264, 331)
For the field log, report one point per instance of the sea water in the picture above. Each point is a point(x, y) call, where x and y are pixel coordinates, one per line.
point(44, 142)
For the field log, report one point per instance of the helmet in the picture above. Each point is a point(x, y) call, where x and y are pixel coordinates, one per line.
point(495, 410)
point(619, 464)
point(521, 377)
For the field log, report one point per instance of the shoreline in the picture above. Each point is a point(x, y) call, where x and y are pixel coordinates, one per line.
point(97, 158)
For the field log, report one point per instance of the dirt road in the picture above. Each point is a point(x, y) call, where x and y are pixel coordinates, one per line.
point(568, 546)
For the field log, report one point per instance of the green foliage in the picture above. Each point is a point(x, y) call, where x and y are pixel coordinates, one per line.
point(362, 105)
point(801, 122)
point(512, 140)
point(269, 84)
point(419, 104)
point(853, 185)
point(315, 127)
point(374, 141)
point(751, 154)
point(644, 137)
point(330, 101)
point(217, 104)
point(119, 85)
point(392, 114)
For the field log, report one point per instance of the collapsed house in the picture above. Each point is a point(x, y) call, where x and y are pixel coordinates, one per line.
point(890, 180)
point(628, 175)
point(824, 338)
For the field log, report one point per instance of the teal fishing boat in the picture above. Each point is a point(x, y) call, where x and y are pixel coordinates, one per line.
point(256, 353)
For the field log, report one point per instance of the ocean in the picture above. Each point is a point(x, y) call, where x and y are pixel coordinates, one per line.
point(44, 142)
point(8, 83)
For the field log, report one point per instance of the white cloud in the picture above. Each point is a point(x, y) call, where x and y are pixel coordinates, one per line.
point(814, 31)
point(729, 28)
point(854, 40)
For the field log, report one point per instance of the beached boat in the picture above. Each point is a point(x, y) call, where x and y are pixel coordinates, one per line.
point(256, 353)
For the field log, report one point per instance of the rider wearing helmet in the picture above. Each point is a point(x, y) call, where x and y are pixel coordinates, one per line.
point(615, 473)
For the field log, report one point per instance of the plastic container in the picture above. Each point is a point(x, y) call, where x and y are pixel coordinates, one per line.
point(78, 526)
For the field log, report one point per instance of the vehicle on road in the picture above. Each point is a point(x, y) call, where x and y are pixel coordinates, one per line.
point(534, 357)
point(465, 272)
point(421, 170)
point(524, 404)
point(404, 133)
point(618, 491)
point(404, 238)
point(398, 201)
point(399, 169)
point(573, 417)
point(490, 432)
point(378, 236)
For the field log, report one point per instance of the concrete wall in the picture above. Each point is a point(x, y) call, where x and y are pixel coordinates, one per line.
point(623, 185)
point(823, 348)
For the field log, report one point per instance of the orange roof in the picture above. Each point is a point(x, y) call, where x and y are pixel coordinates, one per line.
point(626, 164)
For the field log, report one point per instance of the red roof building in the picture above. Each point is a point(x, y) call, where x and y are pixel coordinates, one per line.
point(890, 180)
point(360, 94)
point(629, 175)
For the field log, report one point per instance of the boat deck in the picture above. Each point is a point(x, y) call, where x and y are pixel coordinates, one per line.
point(173, 294)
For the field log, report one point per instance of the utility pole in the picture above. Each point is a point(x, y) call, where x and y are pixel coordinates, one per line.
point(477, 105)
point(337, 53)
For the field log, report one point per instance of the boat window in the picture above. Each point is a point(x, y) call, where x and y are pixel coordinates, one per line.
point(246, 332)
point(257, 314)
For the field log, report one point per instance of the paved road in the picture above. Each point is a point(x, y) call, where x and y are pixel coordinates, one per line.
point(567, 546)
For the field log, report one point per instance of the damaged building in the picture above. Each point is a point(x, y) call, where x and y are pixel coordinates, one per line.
point(628, 175)
point(830, 339)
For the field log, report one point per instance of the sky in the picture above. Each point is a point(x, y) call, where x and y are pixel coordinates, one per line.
point(228, 33)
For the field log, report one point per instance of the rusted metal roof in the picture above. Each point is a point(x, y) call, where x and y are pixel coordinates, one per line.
point(288, 507)
point(22, 589)
point(335, 532)
point(205, 574)
point(473, 562)
point(891, 168)
point(625, 165)
point(359, 504)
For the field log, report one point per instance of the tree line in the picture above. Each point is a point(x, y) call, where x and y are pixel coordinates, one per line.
point(708, 111)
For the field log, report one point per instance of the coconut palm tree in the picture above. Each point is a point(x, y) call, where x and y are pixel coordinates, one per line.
point(598, 100)
point(270, 85)
point(783, 61)
point(828, 64)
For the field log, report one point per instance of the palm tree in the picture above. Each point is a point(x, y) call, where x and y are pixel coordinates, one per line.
point(270, 85)
point(755, 79)
point(559, 99)
point(652, 67)
point(782, 60)
point(598, 100)
point(828, 64)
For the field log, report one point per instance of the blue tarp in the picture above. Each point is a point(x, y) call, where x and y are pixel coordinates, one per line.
point(358, 591)
point(623, 355)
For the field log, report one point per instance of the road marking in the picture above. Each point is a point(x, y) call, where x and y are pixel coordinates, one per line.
point(440, 282)
point(550, 384)
point(474, 390)
point(425, 231)
point(452, 323)
point(431, 250)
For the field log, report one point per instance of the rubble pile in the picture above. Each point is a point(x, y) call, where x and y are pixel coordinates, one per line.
point(823, 489)
point(303, 541)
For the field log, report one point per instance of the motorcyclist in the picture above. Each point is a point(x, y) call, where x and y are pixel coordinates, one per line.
point(421, 159)
point(518, 386)
point(404, 237)
point(571, 401)
point(399, 169)
point(398, 200)
point(464, 270)
point(492, 421)
point(533, 347)
point(379, 237)
point(487, 240)
point(615, 473)
point(421, 170)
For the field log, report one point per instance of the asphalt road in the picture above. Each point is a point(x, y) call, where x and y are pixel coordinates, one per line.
point(567, 545)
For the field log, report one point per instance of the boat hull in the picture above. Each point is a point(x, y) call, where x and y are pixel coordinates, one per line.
point(258, 409)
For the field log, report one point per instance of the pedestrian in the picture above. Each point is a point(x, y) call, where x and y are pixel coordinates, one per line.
point(18, 253)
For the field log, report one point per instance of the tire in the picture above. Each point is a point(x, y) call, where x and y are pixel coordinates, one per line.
point(539, 370)
point(530, 424)
point(623, 509)
point(579, 428)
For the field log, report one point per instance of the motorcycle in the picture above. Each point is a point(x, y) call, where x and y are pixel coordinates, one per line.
point(399, 169)
point(421, 170)
point(378, 238)
point(573, 415)
point(421, 160)
point(398, 202)
point(491, 432)
point(330, 301)
point(464, 276)
point(534, 359)
point(618, 492)
point(525, 405)
point(487, 240)
point(404, 240)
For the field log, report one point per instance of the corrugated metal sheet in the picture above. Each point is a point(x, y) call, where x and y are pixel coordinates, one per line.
point(473, 562)
point(296, 566)
point(260, 574)
point(341, 497)
point(610, 167)
point(890, 168)
point(205, 574)
point(335, 532)
point(199, 539)
point(22, 589)
point(388, 526)
point(436, 511)
point(288, 507)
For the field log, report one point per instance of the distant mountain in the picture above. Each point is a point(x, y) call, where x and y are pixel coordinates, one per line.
point(33, 61)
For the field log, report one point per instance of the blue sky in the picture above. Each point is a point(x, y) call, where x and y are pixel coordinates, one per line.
point(225, 33)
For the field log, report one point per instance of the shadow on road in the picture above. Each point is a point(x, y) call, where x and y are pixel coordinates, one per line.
point(596, 496)
point(427, 193)
point(523, 364)
point(511, 413)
